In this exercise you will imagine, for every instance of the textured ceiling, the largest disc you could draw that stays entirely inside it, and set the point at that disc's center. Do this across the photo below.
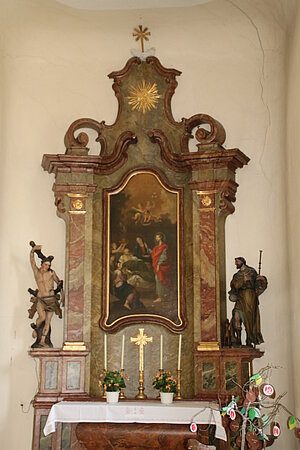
(128, 4)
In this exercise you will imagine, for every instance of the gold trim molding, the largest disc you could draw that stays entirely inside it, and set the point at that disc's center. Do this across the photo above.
(213, 191)
(208, 346)
(207, 209)
(77, 195)
(77, 212)
(74, 346)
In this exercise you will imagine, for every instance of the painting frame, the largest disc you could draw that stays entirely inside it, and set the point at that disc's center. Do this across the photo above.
(111, 320)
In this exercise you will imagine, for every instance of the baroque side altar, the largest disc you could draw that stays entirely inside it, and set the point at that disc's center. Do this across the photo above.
(145, 247)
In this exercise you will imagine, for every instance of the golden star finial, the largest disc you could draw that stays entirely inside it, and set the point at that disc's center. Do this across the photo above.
(141, 34)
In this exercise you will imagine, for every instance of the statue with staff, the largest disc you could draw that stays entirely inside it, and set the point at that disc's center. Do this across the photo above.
(46, 300)
(245, 288)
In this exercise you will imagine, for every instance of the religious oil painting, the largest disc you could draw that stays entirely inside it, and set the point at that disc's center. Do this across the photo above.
(143, 252)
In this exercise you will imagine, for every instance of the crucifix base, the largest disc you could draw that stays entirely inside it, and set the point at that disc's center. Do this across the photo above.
(141, 395)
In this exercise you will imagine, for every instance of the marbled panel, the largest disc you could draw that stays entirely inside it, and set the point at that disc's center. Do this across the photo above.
(75, 322)
(51, 375)
(230, 375)
(76, 278)
(207, 235)
(66, 436)
(208, 273)
(76, 303)
(73, 375)
(208, 376)
(45, 441)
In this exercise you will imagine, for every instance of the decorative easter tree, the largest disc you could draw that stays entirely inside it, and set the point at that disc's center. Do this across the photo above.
(250, 418)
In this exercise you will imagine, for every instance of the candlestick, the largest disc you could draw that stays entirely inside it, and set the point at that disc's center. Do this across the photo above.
(161, 372)
(105, 351)
(122, 395)
(161, 351)
(104, 391)
(178, 395)
(122, 352)
(179, 351)
(141, 395)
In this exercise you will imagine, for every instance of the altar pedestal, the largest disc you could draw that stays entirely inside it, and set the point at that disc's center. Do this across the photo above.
(108, 436)
(136, 424)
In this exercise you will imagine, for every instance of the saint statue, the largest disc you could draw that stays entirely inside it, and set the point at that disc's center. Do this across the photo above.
(246, 286)
(46, 300)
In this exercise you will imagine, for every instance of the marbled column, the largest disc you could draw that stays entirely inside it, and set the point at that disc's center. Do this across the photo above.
(76, 268)
(208, 288)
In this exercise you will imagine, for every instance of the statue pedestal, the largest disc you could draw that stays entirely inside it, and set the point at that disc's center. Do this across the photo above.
(61, 377)
(221, 372)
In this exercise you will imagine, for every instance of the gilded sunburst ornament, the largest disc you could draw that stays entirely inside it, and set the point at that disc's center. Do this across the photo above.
(143, 97)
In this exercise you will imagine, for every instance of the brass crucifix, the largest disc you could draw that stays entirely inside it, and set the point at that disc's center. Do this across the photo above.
(141, 340)
(141, 34)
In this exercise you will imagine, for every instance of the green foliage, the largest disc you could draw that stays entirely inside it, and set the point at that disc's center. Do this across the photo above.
(165, 382)
(113, 380)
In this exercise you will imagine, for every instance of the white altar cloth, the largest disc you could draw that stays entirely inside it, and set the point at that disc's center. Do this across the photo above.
(182, 412)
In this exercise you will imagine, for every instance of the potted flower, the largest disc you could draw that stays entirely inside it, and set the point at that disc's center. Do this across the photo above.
(167, 386)
(111, 381)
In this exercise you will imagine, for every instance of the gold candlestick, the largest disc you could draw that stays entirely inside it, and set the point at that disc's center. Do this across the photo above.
(141, 395)
(178, 395)
(122, 395)
(161, 372)
(104, 391)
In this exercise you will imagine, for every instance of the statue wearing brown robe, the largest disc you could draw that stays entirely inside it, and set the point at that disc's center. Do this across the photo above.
(245, 288)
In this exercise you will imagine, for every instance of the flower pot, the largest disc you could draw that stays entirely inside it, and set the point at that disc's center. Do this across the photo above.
(112, 397)
(166, 398)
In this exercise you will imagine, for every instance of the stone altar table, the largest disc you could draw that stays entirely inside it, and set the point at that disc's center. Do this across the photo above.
(105, 423)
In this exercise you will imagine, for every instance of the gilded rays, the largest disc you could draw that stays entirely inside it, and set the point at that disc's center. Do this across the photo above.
(143, 97)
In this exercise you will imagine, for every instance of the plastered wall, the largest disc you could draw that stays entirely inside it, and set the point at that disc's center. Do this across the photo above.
(53, 67)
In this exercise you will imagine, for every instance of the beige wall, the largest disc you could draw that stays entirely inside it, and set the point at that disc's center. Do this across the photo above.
(293, 182)
(54, 62)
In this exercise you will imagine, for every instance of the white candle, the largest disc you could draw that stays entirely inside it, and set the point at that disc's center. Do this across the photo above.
(161, 351)
(105, 351)
(122, 352)
(179, 351)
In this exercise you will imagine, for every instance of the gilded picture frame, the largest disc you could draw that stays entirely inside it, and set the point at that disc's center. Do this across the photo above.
(143, 252)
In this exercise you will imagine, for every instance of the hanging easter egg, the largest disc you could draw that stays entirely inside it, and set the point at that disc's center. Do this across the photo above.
(269, 390)
(291, 423)
(297, 433)
(276, 429)
(251, 396)
(270, 440)
(232, 414)
(193, 427)
(234, 426)
(251, 438)
(245, 403)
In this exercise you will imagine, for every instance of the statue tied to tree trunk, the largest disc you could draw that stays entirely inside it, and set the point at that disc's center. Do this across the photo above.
(246, 286)
(45, 299)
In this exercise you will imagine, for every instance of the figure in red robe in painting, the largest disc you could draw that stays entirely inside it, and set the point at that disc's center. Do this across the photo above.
(161, 263)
